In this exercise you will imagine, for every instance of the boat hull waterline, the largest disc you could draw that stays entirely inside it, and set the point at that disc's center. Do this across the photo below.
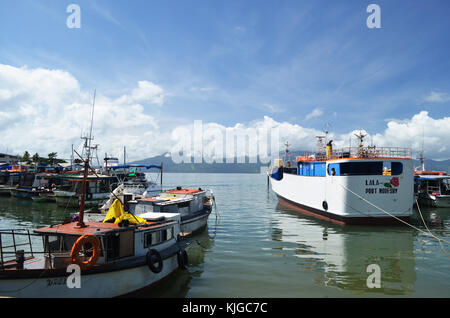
(96, 285)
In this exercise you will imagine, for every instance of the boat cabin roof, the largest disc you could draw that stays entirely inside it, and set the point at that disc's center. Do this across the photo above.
(428, 178)
(185, 191)
(93, 228)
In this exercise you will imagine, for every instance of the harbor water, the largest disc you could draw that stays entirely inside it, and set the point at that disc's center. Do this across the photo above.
(255, 248)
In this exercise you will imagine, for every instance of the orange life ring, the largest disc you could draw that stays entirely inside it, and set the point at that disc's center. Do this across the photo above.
(95, 242)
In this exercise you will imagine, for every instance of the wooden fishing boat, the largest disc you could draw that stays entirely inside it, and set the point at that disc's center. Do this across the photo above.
(97, 191)
(121, 255)
(432, 188)
(107, 259)
(193, 205)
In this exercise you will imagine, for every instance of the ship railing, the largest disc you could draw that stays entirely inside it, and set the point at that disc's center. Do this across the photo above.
(360, 152)
(11, 242)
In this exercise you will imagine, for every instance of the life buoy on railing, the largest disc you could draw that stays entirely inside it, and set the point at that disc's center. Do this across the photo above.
(154, 261)
(76, 248)
(182, 259)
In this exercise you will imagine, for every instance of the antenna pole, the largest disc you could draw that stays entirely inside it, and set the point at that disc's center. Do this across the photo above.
(81, 223)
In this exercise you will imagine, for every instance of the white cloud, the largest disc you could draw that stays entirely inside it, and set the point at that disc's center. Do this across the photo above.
(436, 97)
(405, 133)
(315, 113)
(46, 110)
(272, 108)
(421, 128)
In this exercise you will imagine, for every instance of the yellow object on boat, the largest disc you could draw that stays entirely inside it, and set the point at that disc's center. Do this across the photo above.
(329, 151)
(117, 212)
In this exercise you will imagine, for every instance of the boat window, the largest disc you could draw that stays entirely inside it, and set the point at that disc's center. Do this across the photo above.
(103, 187)
(170, 233)
(183, 204)
(147, 239)
(396, 168)
(112, 246)
(445, 186)
(361, 168)
(53, 243)
(119, 245)
(154, 238)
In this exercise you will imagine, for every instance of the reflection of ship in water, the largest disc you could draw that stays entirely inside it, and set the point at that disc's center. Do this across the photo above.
(178, 284)
(341, 255)
(435, 218)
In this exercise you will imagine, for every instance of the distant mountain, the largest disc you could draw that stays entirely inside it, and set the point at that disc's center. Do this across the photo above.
(442, 165)
(170, 166)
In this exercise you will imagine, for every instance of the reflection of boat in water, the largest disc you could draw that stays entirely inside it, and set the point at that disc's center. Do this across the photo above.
(342, 254)
(363, 185)
(45, 197)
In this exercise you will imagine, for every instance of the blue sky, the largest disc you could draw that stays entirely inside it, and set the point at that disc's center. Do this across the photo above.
(238, 61)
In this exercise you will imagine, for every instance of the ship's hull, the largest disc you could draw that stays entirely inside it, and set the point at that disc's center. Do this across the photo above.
(195, 222)
(24, 193)
(72, 200)
(5, 191)
(363, 199)
(94, 284)
(342, 220)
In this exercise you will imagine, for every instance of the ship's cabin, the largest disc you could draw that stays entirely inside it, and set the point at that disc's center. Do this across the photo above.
(51, 247)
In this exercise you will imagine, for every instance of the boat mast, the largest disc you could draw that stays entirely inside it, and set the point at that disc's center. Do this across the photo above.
(85, 174)
(287, 156)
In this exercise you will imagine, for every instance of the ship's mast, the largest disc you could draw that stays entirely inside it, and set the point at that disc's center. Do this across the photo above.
(320, 144)
(287, 156)
(360, 150)
(81, 223)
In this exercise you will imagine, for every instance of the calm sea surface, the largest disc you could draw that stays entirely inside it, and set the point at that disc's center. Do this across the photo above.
(255, 248)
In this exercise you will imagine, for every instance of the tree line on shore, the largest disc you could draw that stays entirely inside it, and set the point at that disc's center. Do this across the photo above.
(36, 159)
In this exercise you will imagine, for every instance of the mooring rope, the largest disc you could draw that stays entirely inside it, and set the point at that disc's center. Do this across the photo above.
(440, 240)
(426, 226)
(216, 212)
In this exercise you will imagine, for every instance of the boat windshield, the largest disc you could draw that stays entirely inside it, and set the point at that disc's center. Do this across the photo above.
(445, 186)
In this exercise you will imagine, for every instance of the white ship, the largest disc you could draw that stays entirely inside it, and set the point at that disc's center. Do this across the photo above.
(362, 185)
